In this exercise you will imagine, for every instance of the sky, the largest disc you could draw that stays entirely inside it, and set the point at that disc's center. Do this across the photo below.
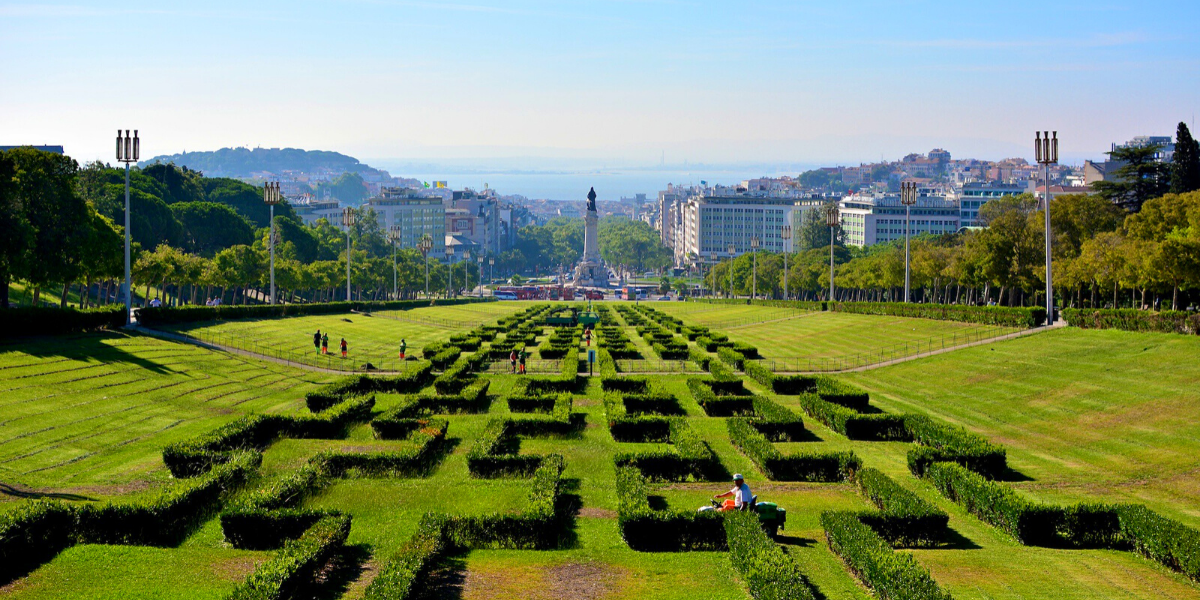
(633, 82)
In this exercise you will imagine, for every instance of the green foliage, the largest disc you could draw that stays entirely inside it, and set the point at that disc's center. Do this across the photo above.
(297, 563)
(941, 442)
(647, 529)
(32, 533)
(401, 577)
(892, 575)
(822, 467)
(190, 314)
(535, 528)
(996, 504)
(853, 424)
(688, 458)
(408, 461)
(728, 402)
(905, 519)
(731, 357)
(767, 570)
(338, 391)
(1140, 177)
(987, 315)
(1169, 321)
(1169, 542)
(1185, 164)
(27, 321)
(208, 227)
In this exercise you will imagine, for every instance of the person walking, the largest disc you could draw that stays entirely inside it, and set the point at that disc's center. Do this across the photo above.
(343, 347)
(522, 359)
(325, 343)
(403, 347)
(317, 341)
(512, 361)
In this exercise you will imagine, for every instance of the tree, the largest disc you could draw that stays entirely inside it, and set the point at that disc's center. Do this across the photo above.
(814, 231)
(17, 233)
(664, 285)
(1161, 216)
(348, 188)
(208, 227)
(1140, 177)
(1076, 218)
(1185, 165)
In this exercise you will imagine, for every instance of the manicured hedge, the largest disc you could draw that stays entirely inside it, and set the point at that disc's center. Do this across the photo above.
(764, 567)
(689, 457)
(187, 314)
(1169, 542)
(535, 528)
(699, 356)
(997, 504)
(297, 563)
(986, 315)
(409, 567)
(495, 452)
(822, 467)
(634, 385)
(454, 378)
(27, 321)
(32, 533)
(407, 461)
(647, 529)
(1167, 321)
(731, 357)
(263, 518)
(905, 519)
(410, 381)
(852, 424)
(776, 422)
(892, 575)
(940, 442)
(719, 405)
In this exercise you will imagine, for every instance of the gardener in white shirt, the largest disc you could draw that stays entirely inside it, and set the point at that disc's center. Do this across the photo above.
(740, 492)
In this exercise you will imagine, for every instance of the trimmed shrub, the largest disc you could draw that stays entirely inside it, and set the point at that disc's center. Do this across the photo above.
(633, 385)
(906, 519)
(32, 533)
(746, 350)
(454, 378)
(188, 314)
(1167, 321)
(1169, 542)
(997, 505)
(647, 529)
(401, 577)
(724, 405)
(852, 424)
(39, 320)
(444, 358)
(699, 356)
(986, 315)
(940, 442)
(688, 458)
(891, 574)
(535, 528)
(408, 461)
(777, 423)
(825, 467)
(297, 563)
(410, 381)
(731, 357)
(765, 568)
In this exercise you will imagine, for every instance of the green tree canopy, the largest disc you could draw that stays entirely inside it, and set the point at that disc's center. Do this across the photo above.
(208, 227)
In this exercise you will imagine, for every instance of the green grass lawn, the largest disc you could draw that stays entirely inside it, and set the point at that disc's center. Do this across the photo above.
(89, 414)
(1084, 415)
(371, 338)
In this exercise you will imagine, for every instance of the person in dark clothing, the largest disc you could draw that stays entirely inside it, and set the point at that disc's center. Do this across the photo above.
(403, 347)
(512, 361)
(317, 341)
(325, 343)
(522, 359)
(343, 347)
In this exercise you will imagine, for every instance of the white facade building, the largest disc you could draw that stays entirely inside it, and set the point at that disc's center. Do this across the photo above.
(711, 224)
(870, 220)
(413, 216)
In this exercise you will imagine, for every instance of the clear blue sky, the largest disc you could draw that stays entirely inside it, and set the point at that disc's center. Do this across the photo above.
(626, 80)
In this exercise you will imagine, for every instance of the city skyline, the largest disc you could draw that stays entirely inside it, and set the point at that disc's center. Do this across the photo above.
(623, 82)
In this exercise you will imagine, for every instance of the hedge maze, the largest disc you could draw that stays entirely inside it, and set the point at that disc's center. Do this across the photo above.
(664, 433)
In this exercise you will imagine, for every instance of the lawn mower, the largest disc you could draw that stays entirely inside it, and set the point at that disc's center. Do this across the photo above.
(770, 515)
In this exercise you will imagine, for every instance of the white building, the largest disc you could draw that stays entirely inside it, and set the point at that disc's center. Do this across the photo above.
(711, 224)
(310, 210)
(413, 216)
(869, 220)
(974, 195)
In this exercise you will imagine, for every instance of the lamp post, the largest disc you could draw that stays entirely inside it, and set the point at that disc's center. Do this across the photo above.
(787, 237)
(272, 196)
(1046, 149)
(425, 245)
(754, 267)
(128, 151)
(450, 263)
(348, 222)
(479, 259)
(732, 249)
(491, 268)
(466, 260)
(831, 218)
(393, 237)
(908, 197)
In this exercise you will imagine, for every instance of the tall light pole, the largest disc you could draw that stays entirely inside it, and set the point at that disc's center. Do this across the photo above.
(831, 218)
(908, 197)
(1046, 149)
(479, 259)
(425, 245)
(128, 151)
(731, 249)
(787, 237)
(393, 237)
(450, 263)
(272, 196)
(348, 222)
(754, 267)
(491, 268)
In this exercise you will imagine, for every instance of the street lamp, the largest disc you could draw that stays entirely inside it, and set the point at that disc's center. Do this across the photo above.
(450, 263)
(425, 245)
(908, 197)
(466, 260)
(754, 267)
(831, 218)
(393, 237)
(480, 260)
(491, 268)
(272, 196)
(348, 222)
(128, 151)
(732, 249)
(787, 237)
(1047, 154)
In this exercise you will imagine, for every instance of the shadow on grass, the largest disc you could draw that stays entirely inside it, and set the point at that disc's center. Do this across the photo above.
(1011, 475)
(346, 567)
(90, 347)
(799, 542)
(446, 581)
(953, 540)
(566, 510)
(9, 490)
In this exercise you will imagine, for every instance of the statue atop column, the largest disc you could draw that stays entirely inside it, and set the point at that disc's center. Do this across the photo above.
(591, 271)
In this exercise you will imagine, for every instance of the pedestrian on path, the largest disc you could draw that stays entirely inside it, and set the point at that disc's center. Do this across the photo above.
(317, 341)
(512, 361)
(343, 347)
(522, 359)
(325, 343)
(403, 347)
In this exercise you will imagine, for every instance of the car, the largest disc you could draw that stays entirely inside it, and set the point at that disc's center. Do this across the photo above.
(667, 298)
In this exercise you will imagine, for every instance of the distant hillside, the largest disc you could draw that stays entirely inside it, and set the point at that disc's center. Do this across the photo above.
(241, 162)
